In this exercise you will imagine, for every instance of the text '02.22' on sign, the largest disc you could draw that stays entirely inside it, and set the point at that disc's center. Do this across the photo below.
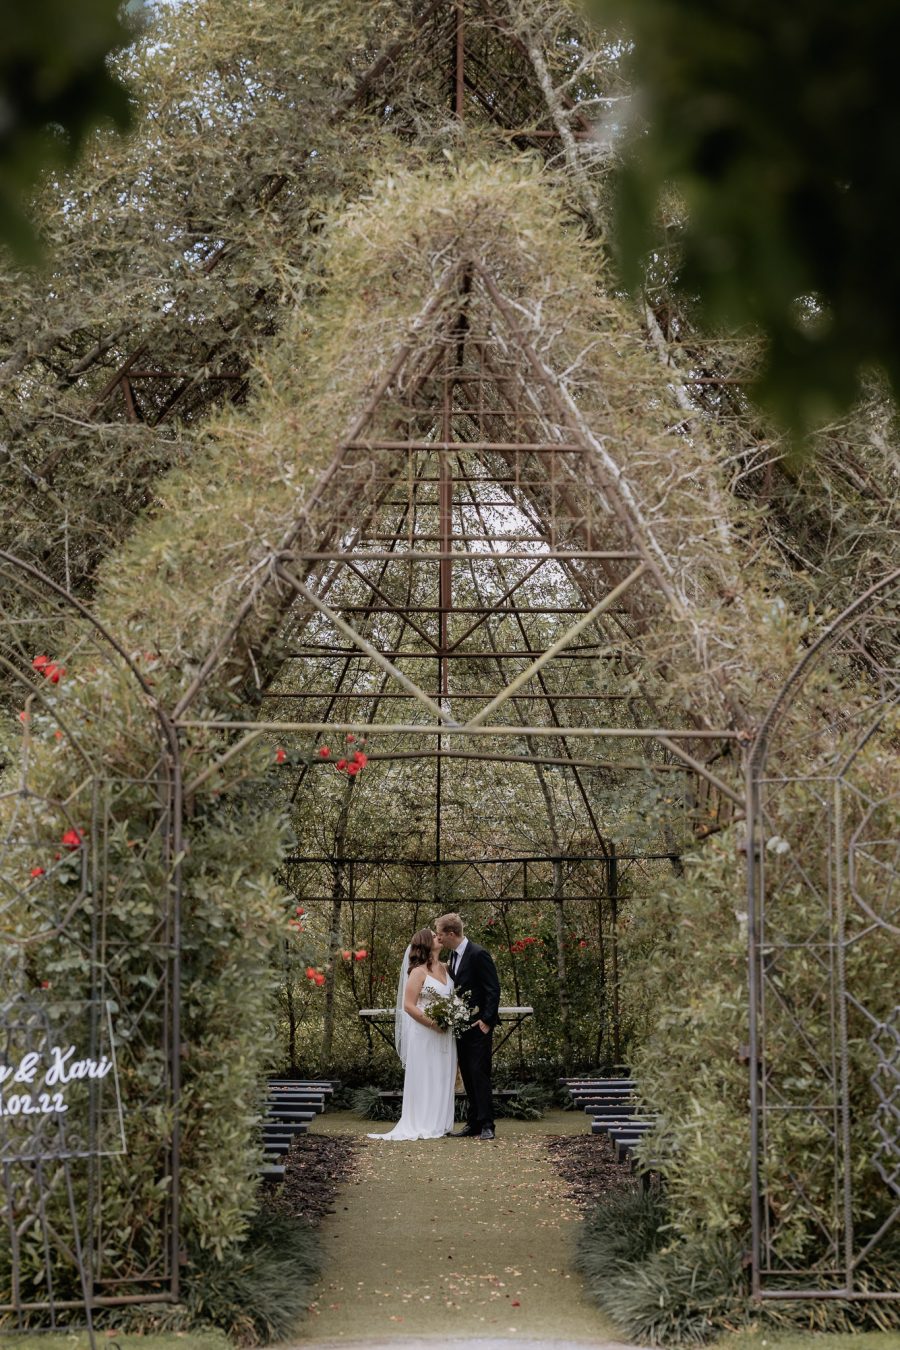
(56, 1070)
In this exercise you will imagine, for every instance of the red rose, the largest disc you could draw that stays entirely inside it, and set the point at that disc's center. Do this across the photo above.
(353, 769)
(24, 716)
(310, 972)
(57, 735)
(320, 979)
(341, 764)
(40, 661)
(351, 738)
(582, 943)
(280, 755)
(53, 672)
(37, 871)
(299, 910)
(346, 955)
(360, 759)
(323, 752)
(72, 839)
(45, 984)
(361, 954)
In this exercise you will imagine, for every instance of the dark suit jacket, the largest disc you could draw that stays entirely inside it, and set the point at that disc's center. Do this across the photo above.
(476, 975)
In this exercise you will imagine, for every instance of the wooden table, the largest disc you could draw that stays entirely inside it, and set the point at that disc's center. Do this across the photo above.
(510, 1021)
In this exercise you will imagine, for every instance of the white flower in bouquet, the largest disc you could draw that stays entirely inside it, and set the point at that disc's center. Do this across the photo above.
(452, 1012)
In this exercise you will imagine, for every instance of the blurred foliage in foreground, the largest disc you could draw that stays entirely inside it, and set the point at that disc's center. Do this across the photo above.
(776, 125)
(56, 86)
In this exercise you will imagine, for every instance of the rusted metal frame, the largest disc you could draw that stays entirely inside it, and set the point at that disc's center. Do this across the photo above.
(448, 728)
(365, 445)
(500, 860)
(562, 761)
(387, 58)
(758, 777)
(459, 88)
(273, 185)
(500, 116)
(610, 487)
(536, 514)
(389, 608)
(343, 674)
(317, 494)
(476, 556)
(132, 410)
(551, 708)
(110, 387)
(577, 628)
(190, 382)
(457, 696)
(364, 645)
(586, 652)
(705, 773)
(343, 558)
(171, 810)
(498, 608)
(473, 538)
(391, 605)
(182, 375)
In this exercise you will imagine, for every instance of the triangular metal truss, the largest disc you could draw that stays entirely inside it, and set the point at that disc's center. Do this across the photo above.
(468, 561)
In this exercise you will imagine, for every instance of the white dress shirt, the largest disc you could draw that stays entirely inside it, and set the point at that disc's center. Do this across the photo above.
(459, 952)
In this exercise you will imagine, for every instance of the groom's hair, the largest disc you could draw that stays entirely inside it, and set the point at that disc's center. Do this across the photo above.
(450, 923)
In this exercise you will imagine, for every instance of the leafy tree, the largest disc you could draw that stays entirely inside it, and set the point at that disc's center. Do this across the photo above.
(777, 126)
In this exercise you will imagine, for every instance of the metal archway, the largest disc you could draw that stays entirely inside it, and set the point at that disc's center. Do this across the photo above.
(824, 925)
(89, 960)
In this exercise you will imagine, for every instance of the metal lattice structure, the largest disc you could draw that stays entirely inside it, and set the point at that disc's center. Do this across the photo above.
(826, 1066)
(83, 962)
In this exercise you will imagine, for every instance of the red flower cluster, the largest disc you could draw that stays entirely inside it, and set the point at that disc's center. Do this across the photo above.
(298, 922)
(351, 767)
(315, 976)
(523, 944)
(49, 669)
(355, 956)
(72, 840)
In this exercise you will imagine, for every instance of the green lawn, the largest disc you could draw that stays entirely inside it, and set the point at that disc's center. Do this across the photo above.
(798, 1340)
(170, 1340)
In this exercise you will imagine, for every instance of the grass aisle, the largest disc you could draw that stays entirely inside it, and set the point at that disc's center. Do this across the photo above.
(452, 1237)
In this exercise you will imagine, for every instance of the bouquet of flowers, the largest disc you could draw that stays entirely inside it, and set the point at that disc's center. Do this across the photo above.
(451, 1012)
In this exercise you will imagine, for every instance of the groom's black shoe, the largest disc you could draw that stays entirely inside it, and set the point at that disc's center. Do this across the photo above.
(468, 1132)
(487, 1133)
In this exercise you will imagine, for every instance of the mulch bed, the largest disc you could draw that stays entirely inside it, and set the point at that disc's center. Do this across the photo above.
(587, 1163)
(315, 1167)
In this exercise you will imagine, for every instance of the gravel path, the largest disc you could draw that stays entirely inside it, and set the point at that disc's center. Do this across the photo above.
(453, 1238)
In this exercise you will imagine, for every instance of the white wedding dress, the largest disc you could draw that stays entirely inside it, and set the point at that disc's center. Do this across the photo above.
(428, 1088)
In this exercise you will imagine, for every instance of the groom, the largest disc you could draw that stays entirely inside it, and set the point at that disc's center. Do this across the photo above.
(473, 972)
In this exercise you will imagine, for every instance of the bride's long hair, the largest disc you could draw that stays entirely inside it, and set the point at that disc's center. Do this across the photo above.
(421, 949)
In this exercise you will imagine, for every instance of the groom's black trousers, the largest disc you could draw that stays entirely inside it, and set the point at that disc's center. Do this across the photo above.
(474, 1050)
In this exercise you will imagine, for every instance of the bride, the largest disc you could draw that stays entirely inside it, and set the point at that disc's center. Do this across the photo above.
(427, 1053)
